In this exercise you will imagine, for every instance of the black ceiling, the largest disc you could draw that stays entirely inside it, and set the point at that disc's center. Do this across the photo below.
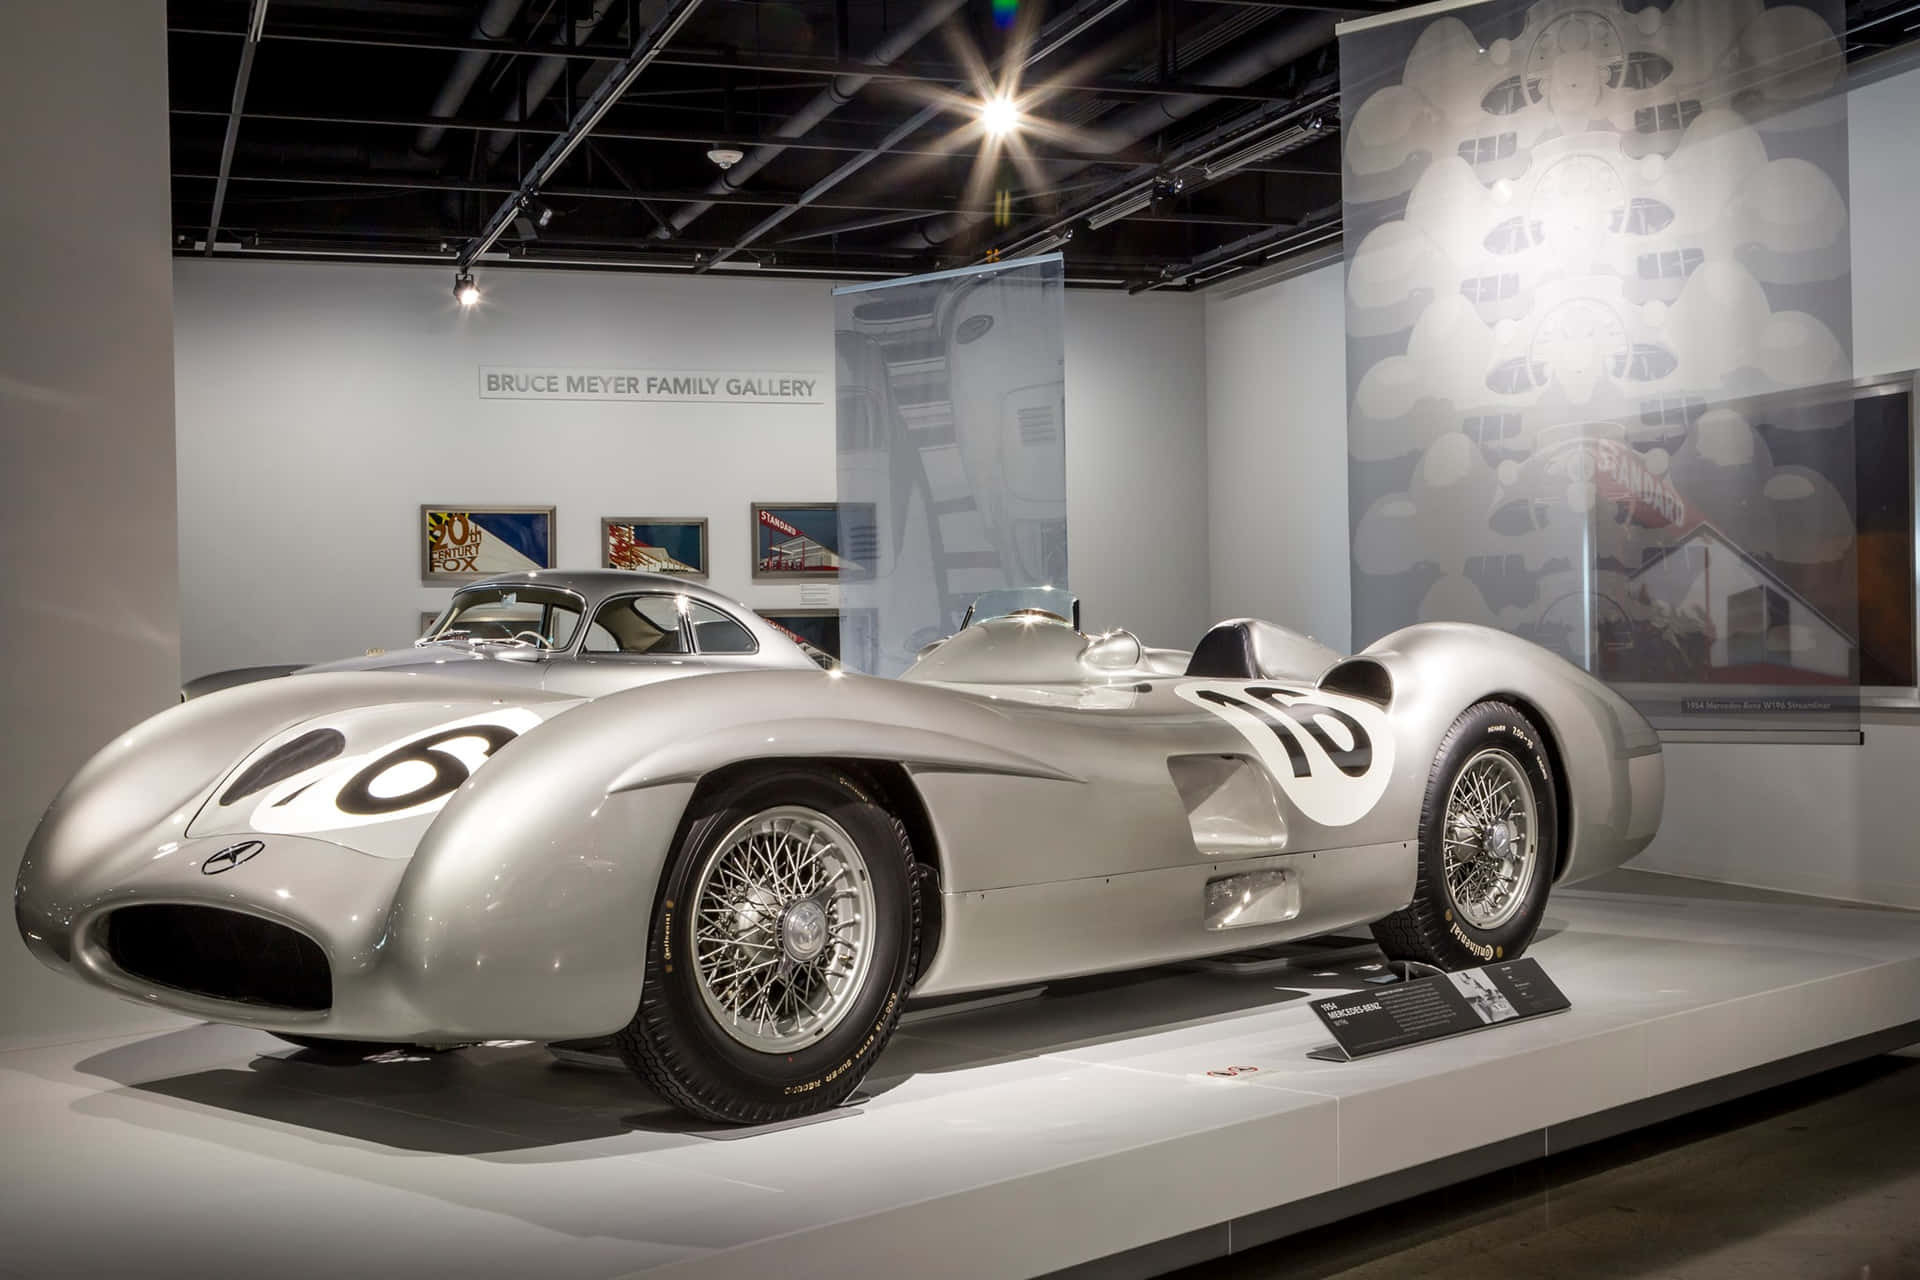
(393, 129)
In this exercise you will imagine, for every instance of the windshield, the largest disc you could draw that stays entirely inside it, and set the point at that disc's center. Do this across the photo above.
(1053, 602)
(531, 615)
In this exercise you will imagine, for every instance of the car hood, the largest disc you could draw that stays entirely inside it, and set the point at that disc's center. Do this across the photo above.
(435, 659)
(370, 777)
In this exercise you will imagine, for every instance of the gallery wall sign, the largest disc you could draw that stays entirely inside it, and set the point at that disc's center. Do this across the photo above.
(1596, 258)
(655, 386)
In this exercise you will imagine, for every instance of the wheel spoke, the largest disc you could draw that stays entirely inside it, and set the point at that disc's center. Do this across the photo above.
(781, 933)
(1488, 843)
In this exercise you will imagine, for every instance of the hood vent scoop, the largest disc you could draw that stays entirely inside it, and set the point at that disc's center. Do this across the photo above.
(295, 756)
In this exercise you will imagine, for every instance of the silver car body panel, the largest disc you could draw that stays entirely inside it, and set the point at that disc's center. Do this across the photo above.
(1080, 802)
(571, 668)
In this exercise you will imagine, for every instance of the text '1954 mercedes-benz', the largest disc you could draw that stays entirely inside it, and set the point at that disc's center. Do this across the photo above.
(743, 877)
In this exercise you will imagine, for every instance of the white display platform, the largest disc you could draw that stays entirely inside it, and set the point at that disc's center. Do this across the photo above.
(1059, 1132)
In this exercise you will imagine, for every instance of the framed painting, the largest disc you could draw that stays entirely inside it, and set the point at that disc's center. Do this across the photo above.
(655, 544)
(798, 541)
(815, 630)
(461, 543)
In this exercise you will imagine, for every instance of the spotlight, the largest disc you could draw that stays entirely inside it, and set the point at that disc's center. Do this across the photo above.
(465, 290)
(999, 116)
(726, 157)
(542, 214)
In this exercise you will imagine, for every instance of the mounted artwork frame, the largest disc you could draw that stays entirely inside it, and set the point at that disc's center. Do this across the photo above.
(825, 631)
(795, 541)
(815, 630)
(655, 544)
(459, 543)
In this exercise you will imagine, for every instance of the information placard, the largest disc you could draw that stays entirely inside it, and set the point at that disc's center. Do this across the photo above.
(1447, 1004)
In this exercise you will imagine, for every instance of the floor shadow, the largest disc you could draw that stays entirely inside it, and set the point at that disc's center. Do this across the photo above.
(1117, 1007)
(515, 1097)
(483, 1100)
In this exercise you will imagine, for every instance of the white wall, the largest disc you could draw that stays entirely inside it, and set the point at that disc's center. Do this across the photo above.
(1835, 821)
(1277, 455)
(1884, 175)
(88, 595)
(321, 404)
(1137, 490)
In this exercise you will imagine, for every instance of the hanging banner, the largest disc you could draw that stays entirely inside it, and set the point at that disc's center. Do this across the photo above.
(951, 406)
(1598, 311)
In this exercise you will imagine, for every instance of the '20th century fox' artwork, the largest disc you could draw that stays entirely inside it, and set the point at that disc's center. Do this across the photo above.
(1598, 310)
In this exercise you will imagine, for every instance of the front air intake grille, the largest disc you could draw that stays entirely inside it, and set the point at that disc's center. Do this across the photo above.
(221, 954)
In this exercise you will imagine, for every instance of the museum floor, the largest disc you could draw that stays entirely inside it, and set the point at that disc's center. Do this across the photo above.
(1816, 1180)
(1081, 1130)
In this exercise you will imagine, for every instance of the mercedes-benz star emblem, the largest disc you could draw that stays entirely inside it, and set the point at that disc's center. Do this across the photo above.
(230, 857)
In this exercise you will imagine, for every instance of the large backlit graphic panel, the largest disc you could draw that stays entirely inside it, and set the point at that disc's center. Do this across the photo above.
(1598, 345)
(952, 448)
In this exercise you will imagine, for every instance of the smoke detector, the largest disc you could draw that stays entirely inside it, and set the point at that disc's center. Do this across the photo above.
(726, 157)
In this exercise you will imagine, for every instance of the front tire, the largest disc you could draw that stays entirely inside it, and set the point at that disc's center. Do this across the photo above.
(1489, 842)
(781, 949)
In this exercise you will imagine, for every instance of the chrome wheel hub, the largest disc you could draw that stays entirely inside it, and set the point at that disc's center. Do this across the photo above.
(803, 930)
(783, 928)
(1491, 839)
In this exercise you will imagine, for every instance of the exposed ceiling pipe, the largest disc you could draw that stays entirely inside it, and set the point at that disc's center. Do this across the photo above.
(1055, 34)
(668, 16)
(495, 20)
(1290, 41)
(546, 72)
(839, 91)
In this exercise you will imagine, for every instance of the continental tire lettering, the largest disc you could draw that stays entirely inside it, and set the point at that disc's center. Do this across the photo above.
(1479, 949)
(1330, 754)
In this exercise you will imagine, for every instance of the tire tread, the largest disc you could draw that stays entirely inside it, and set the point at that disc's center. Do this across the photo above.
(1418, 931)
(649, 1049)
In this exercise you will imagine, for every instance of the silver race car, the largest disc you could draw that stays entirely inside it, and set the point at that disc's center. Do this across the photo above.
(587, 631)
(743, 877)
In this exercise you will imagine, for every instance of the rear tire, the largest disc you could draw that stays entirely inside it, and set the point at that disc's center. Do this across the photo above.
(781, 949)
(1489, 843)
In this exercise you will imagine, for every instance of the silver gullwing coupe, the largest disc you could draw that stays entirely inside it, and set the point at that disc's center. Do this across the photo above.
(742, 878)
(526, 629)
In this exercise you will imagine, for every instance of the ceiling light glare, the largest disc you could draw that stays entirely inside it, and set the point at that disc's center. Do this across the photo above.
(999, 116)
(465, 291)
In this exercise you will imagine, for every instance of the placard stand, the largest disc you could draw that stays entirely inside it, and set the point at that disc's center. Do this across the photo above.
(1438, 1007)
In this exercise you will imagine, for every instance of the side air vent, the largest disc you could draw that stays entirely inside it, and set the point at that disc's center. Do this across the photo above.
(1360, 678)
(1230, 805)
(220, 954)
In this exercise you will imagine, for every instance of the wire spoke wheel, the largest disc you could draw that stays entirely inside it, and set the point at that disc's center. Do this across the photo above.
(1491, 839)
(783, 928)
